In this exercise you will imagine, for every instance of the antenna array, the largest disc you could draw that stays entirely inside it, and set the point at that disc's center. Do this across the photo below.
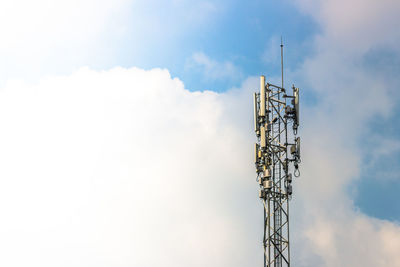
(275, 160)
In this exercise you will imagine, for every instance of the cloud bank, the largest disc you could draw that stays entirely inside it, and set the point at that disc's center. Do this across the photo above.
(125, 167)
(213, 70)
(349, 96)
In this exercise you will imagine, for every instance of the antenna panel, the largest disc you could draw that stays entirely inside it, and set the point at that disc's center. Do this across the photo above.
(298, 146)
(255, 103)
(256, 149)
(263, 141)
(296, 104)
(262, 96)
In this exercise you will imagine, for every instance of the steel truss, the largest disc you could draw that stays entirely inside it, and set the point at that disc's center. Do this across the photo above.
(272, 116)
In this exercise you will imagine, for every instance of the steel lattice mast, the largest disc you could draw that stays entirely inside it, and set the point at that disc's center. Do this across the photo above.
(274, 157)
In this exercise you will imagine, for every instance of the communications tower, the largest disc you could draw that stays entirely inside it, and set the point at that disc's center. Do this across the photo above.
(277, 158)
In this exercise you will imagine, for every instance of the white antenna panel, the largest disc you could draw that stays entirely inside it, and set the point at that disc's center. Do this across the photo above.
(262, 96)
(263, 141)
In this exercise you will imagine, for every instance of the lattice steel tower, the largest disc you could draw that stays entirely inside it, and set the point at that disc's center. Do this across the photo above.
(275, 160)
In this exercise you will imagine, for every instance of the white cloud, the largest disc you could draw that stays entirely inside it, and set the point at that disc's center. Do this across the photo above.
(349, 96)
(52, 37)
(125, 167)
(356, 25)
(42, 37)
(213, 70)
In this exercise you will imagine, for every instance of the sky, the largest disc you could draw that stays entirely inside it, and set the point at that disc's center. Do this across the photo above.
(126, 131)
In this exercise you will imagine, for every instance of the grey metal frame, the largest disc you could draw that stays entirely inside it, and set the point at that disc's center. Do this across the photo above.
(273, 163)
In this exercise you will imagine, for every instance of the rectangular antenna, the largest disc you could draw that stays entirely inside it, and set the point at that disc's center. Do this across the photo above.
(255, 102)
(263, 141)
(256, 149)
(296, 104)
(262, 96)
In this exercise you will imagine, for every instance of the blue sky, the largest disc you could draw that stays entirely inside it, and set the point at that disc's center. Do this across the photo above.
(240, 33)
(376, 191)
(225, 31)
(81, 82)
